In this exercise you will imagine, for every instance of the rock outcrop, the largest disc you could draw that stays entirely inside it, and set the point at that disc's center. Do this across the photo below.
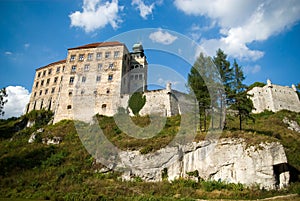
(229, 160)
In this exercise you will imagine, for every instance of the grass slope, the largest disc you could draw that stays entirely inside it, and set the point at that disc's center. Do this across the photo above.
(67, 171)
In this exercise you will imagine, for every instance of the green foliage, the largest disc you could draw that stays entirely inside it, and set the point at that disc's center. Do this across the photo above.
(136, 102)
(3, 95)
(256, 84)
(55, 159)
(39, 117)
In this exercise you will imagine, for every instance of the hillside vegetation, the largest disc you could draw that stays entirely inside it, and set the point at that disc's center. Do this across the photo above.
(68, 172)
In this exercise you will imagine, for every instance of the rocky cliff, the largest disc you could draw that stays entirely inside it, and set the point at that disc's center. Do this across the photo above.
(228, 159)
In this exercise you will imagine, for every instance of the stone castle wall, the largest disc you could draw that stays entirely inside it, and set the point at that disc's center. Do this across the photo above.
(274, 98)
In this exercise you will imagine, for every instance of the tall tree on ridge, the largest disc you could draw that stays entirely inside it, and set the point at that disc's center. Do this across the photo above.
(3, 94)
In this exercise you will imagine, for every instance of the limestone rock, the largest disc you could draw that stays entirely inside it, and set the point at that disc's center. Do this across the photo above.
(292, 125)
(229, 160)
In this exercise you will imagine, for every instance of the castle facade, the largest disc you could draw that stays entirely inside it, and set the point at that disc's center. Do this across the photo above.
(274, 98)
(98, 78)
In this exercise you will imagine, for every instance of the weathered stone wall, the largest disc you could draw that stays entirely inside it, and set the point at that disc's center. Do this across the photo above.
(229, 160)
(274, 98)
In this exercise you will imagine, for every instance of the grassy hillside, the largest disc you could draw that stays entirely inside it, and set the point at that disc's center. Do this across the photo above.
(67, 172)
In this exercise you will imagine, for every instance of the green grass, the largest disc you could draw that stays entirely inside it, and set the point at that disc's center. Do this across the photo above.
(68, 172)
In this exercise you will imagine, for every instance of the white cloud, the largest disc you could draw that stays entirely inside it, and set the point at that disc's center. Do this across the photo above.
(8, 53)
(243, 22)
(96, 15)
(26, 45)
(144, 9)
(162, 37)
(17, 99)
(252, 69)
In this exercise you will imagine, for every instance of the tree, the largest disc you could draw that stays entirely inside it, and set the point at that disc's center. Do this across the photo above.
(3, 95)
(241, 101)
(136, 102)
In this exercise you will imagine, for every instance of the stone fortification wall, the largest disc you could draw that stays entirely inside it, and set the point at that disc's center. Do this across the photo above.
(274, 98)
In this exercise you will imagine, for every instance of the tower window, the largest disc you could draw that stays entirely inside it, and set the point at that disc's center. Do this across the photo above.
(46, 91)
(90, 57)
(73, 69)
(69, 107)
(83, 79)
(98, 78)
(71, 80)
(110, 77)
(48, 81)
(140, 76)
(81, 57)
(99, 66)
(72, 58)
(36, 84)
(104, 106)
(42, 82)
(55, 79)
(41, 92)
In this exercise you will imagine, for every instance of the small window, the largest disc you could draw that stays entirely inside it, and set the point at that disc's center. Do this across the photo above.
(57, 69)
(42, 82)
(107, 91)
(90, 57)
(46, 91)
(41, 92)
(107, 55)
(34, 95)
(141, 66)
(98, 78)
(86, 67)
(111, 66)
(71, 80)
(83, 79)
(99, 55)
(63, 70)
(53, 90)
(48, 81)
(72, 58)
(49, 71)
(99, 67)
(70, 93)
(55, 80)
(39, 74)
(131, 77)
(140, 76)
(44, 73)
(116, 54)
(110, 77)
(73, 70)
(104, 106)
(136, 77)
(36, 84)
(81, 57)
(69, 107)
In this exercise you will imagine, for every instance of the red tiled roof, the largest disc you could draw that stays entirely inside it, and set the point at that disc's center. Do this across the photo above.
(51, 64)
(100, 44)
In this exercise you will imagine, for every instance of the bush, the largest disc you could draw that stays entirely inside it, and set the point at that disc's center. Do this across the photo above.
(136, 102)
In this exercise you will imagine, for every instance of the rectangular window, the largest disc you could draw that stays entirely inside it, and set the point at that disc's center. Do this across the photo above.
(63, 69)
(71, 80)
(131, 77)
(83, 79)
(41, 92)
(72, 58)
(44, 73)
(107, 55)
(53, 90)
(39, 74)
(90, 57)
(116, 54)
(46, 91)
(73, 70)
(57, 69)
(111, 66)
(136, 77)
(110, 77)
(36, 84)
(48, 81)
(98, 78)
(34, 95)
(81, 57)
(99, 55)
(99, 67)
(86, 67)
(42, 82)
(140, 76)
(49, 71)
(55, 80)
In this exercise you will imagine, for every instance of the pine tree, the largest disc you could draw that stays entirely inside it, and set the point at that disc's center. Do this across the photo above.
(3, 94)
(241, 101)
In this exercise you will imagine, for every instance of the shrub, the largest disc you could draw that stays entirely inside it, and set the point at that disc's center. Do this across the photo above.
(136, 102)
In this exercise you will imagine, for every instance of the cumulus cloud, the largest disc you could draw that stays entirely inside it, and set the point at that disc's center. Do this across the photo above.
(17, 99)
(144, 9)
(243, 22)
(252, 69)
(96, 15)
(162, 37)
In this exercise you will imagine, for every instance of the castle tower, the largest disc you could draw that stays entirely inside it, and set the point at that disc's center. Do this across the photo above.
(138, 69)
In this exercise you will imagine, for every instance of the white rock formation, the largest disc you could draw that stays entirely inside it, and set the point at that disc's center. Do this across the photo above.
(230, 160)
(292, 125)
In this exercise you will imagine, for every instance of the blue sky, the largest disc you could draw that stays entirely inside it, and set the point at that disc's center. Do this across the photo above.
(262, 35)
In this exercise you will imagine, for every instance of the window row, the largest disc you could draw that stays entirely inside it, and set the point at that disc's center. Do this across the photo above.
(98, 56)
(137, 77)
(134, 66)
(87, 67)
(41, 92)
(44, 73)
(84, 79)
(47, 82)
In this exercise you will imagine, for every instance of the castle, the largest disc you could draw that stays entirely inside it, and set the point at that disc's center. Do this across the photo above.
(98, 78)
(274, 98)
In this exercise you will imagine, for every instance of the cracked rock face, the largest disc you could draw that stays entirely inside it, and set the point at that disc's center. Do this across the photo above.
(229, 160)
